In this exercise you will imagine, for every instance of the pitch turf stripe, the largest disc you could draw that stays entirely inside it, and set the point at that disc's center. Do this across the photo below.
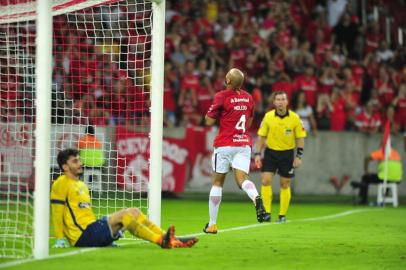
(338, 215)
(239, 228)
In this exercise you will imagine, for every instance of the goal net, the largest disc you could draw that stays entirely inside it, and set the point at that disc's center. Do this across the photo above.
(100, 105)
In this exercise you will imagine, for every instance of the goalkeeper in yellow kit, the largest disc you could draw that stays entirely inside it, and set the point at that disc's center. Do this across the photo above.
(74, 219)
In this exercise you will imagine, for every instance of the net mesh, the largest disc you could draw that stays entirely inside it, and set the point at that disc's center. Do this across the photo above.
(100, 87)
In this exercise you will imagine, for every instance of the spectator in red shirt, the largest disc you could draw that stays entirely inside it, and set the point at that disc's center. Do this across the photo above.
(372, 38)
(338, 117)
(304, 57)
(189, 79)
(355, 83)
(323, 112)
(357, 71)
(321, 47)
(393, 118)
(99, 117)
(308, 84)
(351, 98)
(384, 86)
(400, 104)
(189, 106)
(284, 84)
(268, 25)
(237, 53)
(283, 35)
(367, 121)
(262, 55)
(205, 94)
(328, 79)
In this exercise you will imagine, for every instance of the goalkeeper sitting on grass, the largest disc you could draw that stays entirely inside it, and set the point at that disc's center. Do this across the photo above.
(74, 219)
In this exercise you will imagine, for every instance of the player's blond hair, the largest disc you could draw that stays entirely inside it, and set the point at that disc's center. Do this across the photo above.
(234, 78)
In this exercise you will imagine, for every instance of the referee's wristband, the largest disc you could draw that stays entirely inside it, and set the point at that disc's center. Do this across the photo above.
(299, 152)
(257, 153)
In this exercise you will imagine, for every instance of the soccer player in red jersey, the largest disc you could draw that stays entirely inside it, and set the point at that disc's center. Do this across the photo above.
(233, 108)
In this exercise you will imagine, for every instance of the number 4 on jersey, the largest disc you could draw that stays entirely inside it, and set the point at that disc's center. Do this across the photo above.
(241, 123)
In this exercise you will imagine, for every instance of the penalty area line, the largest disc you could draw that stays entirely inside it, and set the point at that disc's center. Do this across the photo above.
(239, 228)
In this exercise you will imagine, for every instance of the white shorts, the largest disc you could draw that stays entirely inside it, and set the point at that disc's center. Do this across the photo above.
(227, 157)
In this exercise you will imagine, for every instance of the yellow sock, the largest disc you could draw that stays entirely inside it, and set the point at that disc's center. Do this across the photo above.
(152, 226)
(137, 228)
(266, 194)
(284, 201)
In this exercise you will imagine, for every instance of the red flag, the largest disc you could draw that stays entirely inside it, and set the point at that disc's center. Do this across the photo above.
(386, 141)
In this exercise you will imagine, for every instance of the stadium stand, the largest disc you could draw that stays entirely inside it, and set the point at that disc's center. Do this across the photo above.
(342, 61)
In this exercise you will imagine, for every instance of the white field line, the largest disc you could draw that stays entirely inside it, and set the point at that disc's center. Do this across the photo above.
(239, 228)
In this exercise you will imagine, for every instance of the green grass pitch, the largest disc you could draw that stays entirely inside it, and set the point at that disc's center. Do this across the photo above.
(317, 236)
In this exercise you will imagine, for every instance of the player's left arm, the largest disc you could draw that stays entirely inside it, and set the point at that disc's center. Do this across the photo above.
(300, 134)
(299, 152)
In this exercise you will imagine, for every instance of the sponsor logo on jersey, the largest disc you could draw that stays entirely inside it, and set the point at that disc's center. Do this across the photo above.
(234, 100)
(240, 138)
(288, 132)
(83, 205)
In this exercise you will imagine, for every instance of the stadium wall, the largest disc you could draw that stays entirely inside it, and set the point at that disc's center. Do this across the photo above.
(327, 155)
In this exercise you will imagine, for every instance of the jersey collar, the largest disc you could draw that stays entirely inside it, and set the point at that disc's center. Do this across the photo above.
(282, 116)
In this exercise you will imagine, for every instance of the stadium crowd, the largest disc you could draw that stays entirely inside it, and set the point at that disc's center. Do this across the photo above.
(337, 68)
(338, 73)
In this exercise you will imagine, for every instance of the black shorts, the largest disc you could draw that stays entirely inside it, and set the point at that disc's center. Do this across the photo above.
(280, 162)
(97, 234)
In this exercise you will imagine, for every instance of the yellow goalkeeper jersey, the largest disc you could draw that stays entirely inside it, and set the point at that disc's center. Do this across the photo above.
(71, 208)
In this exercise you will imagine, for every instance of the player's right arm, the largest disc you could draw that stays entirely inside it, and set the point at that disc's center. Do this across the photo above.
(58, 197)
(262, 135)
(215, 110)
(210, 121)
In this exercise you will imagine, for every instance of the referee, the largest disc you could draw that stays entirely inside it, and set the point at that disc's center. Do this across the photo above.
(282, 131)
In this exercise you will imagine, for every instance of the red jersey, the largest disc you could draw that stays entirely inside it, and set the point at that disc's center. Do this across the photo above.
(401, 111)
(234, 110)
(284, 86)
(190, 81)
(309, 86)
(338, 116)
(367, 121)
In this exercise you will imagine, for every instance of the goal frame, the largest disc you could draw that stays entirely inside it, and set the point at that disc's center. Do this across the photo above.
(43, 121)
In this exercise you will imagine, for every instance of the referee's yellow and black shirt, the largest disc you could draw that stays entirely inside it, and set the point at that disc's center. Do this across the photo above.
(71, 208)
(281, 131)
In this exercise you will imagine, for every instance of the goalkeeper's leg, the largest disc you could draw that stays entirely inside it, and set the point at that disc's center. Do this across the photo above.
(133, 220)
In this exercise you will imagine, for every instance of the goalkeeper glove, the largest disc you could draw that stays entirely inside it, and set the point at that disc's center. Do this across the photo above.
(60, 243)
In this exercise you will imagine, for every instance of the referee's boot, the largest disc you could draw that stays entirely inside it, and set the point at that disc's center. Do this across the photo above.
(259, 207)
(282, 219)
(267, 217)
